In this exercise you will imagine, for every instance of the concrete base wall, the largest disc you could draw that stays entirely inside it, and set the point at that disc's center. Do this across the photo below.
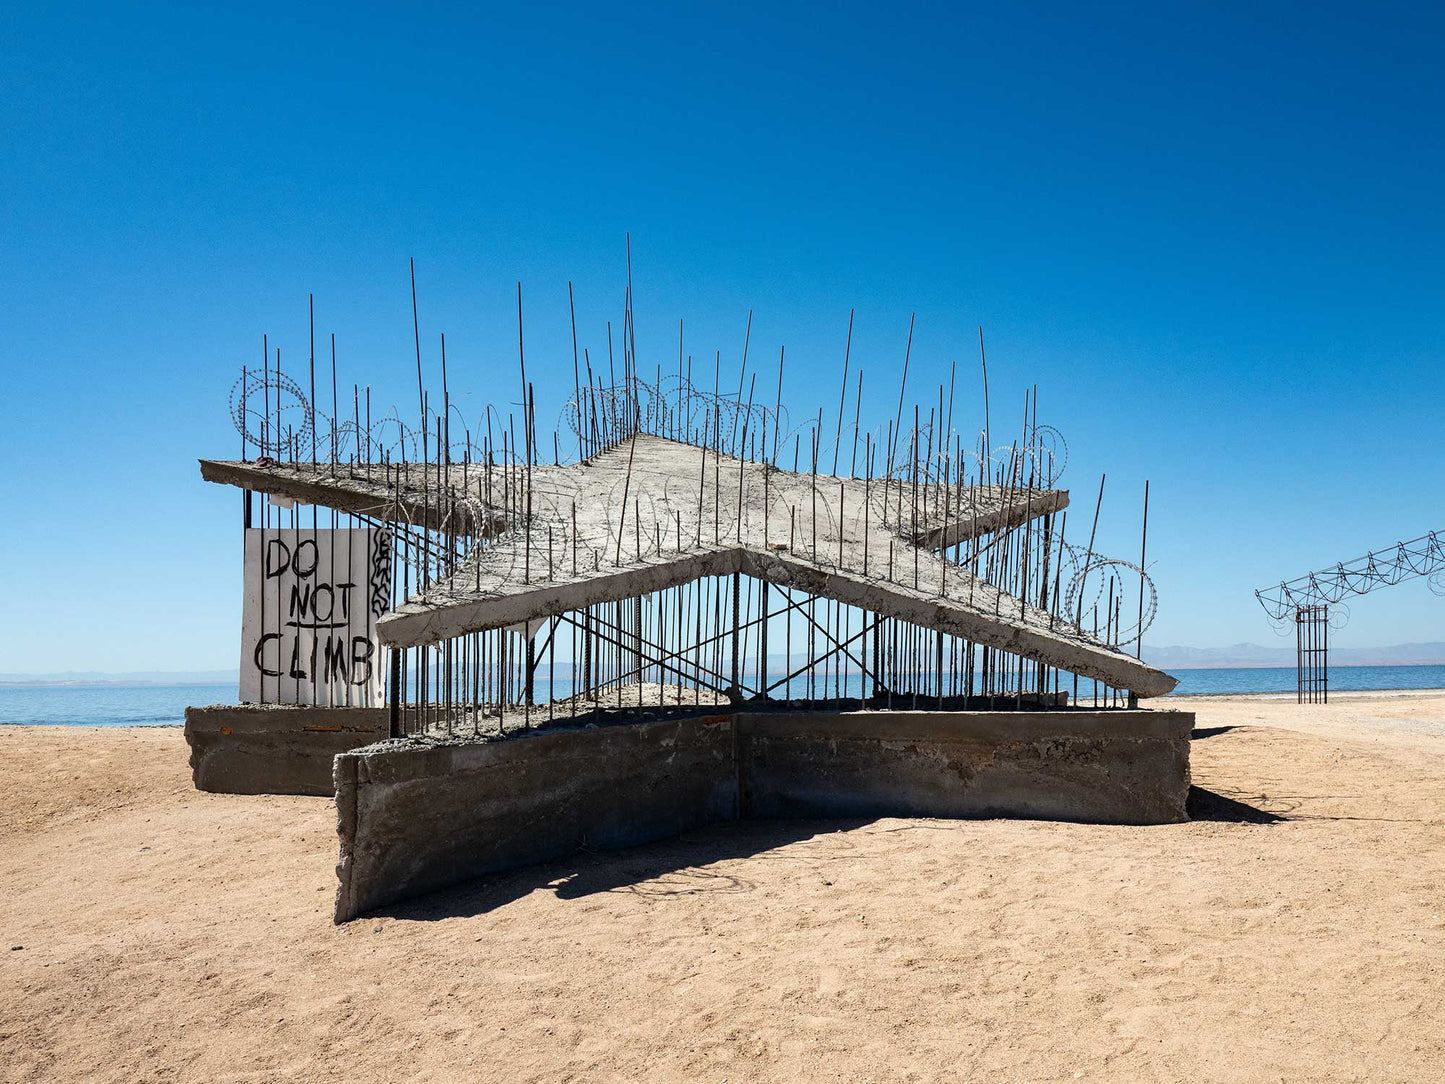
(415, 816)
(273, 749)
(1105, 767)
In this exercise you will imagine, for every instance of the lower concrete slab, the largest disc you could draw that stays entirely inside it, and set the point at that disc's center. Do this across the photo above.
(416, 815)
(274, 749)
(1108, 767)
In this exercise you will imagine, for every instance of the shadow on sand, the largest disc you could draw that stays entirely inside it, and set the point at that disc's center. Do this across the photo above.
(674, 867)
(1209, 731)
(685, 866)
(1206, 805)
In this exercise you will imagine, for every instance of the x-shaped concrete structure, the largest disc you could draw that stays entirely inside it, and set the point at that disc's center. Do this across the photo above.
(651, 513)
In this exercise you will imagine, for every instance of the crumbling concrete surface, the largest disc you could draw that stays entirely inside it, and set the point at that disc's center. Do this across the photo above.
(271, 749)
(416, 814)
(1106, 767)
(650, 514)
(839, 538)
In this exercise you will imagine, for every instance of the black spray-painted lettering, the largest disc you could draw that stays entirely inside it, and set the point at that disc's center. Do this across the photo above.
(305, 552)
(362, 650)
(316, 644)
(314, 606)
(277, 559)
(261, 650)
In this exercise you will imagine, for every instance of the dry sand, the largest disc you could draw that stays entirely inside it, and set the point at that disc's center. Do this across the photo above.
(1295, 933)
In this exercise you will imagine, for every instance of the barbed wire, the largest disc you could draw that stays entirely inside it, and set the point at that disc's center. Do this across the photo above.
(1096, 579)
(274, 417)
(1419, 557)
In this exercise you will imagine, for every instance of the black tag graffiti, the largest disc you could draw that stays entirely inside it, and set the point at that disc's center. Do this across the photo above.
(381, 574)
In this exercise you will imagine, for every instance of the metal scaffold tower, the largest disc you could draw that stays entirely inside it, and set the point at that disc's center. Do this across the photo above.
(1314, 603)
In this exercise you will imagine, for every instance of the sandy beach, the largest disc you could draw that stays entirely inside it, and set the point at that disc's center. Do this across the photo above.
(1295, 930)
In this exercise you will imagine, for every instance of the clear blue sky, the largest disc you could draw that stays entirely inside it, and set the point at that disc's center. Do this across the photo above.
(1211, 234)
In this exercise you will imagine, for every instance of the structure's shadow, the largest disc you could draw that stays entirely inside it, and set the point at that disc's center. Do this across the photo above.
(1209, 731)
(674, 867)
(1206, 805)
(685, 865)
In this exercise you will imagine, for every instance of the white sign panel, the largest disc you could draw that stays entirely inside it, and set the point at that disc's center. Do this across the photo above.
(308, 626)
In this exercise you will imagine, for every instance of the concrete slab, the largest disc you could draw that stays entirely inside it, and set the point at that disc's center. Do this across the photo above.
(271, 749)
(416, 815)
(651, 513)
(842, 539)
(394, 493)
(1107, 767)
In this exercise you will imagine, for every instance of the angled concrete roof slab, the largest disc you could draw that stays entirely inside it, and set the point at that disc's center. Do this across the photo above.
(653, 513)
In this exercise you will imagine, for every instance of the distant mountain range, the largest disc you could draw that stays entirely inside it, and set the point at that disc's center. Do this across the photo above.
(136, 677)
(1240, 656)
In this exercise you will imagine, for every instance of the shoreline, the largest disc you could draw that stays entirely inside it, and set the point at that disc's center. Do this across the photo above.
(1340, 694)
(1178, 701)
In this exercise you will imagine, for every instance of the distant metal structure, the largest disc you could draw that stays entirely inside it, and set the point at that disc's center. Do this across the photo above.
(1314, 602)
(1312, 654)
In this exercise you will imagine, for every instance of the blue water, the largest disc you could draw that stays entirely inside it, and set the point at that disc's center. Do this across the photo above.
(108, 705)
(165, 705)
(1282, 679)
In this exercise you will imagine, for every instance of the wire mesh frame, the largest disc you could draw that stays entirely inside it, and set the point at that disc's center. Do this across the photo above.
(707, 646)
(431, 545)
(1312, 654)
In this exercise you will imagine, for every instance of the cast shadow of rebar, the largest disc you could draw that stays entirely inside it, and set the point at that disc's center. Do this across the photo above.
(681, 866)
(1206, 805)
